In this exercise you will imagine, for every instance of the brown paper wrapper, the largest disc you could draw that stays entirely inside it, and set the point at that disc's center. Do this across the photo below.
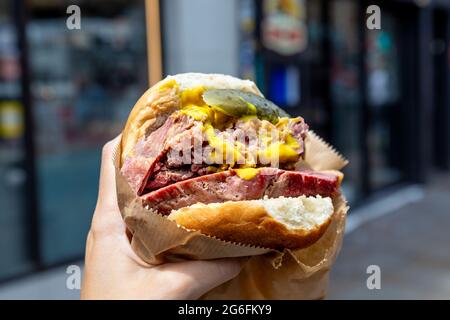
(269, 274)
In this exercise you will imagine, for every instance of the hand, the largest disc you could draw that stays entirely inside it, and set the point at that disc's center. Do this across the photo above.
(114, 271)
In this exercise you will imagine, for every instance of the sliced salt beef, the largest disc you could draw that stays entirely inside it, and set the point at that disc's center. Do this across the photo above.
(228, 186)
(152, 152)
(173, 171)
(149, 150)
(163, 177)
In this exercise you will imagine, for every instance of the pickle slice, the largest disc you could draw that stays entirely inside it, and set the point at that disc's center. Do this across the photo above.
(238, 103)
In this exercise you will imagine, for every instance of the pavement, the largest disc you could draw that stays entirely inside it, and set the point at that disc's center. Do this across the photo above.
(409, 245)
(406, 240)
(55, 284)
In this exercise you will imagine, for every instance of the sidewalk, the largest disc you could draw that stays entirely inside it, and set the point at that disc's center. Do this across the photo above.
(411, 246)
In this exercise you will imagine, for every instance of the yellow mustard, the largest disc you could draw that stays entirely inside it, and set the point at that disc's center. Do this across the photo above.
(202, 114)
(247, 173)
(194, 106)
(249, 117)
(169, 85)
(278, 150)
(192, 96)
(224, 150)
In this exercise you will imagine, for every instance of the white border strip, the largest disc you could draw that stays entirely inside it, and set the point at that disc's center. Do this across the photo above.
(384, 206)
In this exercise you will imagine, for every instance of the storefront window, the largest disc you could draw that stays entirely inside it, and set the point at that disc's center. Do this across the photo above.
(83, 84)
(384, 105)
(15, 256)
(346, 91)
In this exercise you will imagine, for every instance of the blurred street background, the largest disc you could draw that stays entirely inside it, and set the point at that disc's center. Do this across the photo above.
(379, 95)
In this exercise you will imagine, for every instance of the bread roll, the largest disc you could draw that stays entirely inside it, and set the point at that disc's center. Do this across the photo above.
(272, 223)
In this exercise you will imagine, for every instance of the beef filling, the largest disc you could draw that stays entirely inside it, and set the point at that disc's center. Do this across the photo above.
(228, 186)
(137, 169)
(152, 166)
(165, 183)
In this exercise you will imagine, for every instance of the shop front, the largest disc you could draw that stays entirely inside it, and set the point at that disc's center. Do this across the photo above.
(378, 96)
(366, 91)
(63, 94)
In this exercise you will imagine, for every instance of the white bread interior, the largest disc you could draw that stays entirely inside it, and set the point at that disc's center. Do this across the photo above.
(212, 81)
(303, 212)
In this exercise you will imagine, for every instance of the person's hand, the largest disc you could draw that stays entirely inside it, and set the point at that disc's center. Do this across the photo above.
(112, 269)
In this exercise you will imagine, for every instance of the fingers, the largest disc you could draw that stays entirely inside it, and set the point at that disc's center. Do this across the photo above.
(200, 277)
(107, 185)
(107, 218)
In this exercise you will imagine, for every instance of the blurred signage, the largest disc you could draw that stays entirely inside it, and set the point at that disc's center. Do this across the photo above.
(382, 67)
(247, 44)
(285, 87)
(284, 27)
(11, 119)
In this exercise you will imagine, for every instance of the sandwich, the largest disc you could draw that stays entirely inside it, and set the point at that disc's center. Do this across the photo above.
(210, 153)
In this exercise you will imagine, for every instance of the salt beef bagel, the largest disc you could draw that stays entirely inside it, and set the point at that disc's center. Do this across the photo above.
(228, 192)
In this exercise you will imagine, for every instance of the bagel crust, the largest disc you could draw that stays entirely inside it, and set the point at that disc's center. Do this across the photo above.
(249, 222)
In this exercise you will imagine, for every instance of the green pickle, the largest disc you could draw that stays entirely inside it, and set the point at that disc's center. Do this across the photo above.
(237, 103)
